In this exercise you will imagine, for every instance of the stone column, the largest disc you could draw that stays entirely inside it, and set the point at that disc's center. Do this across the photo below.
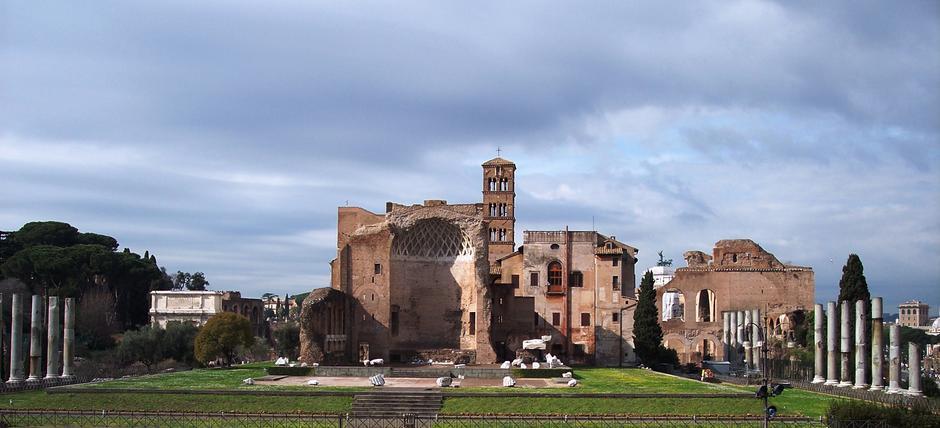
(726, 334)
(818, 343)
(68, 346)
(740, 333)
(748, 357)
(755, 338)
(832, 354)
(877, 345)
(16, 341)
(861, 344)
(846, 374)
(913, 370)
(35, 340)
(733, 328)
(54, 338)
(894, 359)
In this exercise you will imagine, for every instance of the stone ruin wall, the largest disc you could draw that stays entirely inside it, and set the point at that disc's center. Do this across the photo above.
(754, 279)
(433, 295)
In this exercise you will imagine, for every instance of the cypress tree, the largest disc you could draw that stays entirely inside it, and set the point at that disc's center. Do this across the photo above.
(853, 286)
(647, 333)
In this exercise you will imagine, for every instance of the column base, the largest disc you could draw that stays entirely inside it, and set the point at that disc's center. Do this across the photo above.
(860, 386)
(33, 379)
(51, 376)
(893, 390)
(914, 393)
(844, 384)
(831, 382)
(818, 379)
(876, 388)
(14, 382)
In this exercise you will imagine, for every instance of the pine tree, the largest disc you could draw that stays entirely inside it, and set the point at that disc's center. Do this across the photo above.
(647, 333)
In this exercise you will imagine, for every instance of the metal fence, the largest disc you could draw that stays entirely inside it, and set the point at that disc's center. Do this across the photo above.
(159, 419)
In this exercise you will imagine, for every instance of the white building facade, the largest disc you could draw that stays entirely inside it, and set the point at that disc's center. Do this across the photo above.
(195, 307)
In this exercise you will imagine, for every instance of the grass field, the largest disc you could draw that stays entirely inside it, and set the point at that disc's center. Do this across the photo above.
(592, 380)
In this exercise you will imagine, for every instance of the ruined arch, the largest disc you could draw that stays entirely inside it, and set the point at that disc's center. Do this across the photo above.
(705, 306)
(432, 239)
(673, 305)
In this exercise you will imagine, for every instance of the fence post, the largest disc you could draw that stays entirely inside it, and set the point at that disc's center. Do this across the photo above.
(340, 417)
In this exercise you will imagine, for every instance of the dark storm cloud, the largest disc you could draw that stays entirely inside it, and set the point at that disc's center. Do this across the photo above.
(226, 130)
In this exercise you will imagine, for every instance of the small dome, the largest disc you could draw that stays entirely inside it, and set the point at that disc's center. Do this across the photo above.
(936, 324)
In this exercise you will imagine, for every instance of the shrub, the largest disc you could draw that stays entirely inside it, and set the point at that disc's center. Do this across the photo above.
(538, 373)
(844, 410)
(144, 345)
(290, 371)
(287, 341)
(178, 342)
(221, 336)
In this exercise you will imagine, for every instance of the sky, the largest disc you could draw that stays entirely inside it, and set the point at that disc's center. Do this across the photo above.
(222, 136)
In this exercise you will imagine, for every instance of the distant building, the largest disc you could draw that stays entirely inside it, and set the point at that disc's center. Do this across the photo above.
(196, 307)
(662, 272)
(913, 314)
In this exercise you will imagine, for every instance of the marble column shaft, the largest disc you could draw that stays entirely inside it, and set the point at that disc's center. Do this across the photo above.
(913, 370)
(877, 345)
(832, 337)
(748, 357)
(732, 333)
(894, 359)
(755, 338)
(819, 367)
(68, 346)
(54, 339)
(16, 340)
(725, 334)
(35, 339)
(846, 338)
(861, 344)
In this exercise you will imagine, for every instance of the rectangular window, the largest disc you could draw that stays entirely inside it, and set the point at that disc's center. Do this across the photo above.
(395, 323)
(499, 319)
(616, 316)
(556, 319)
(378, 269)
(616, 261)
(616, 282)
(580, 350)
(585, 319)
(473, 323)
(576, 279)
(515, 281)
(534, 279)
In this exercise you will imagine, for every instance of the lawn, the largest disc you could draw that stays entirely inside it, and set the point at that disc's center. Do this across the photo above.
(791, 403)
(592, 380)
(176, 402)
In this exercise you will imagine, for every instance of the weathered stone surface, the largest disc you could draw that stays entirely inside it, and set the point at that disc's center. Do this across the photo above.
(740, 276)
(321, 315)
(696, 259)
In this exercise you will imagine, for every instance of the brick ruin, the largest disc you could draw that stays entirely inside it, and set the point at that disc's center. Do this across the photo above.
(740, 280)
(445, 281)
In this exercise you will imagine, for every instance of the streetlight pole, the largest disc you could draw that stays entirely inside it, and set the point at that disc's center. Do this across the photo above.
(766, 380)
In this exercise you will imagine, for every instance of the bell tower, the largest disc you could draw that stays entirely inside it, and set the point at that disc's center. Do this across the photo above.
(499, 205)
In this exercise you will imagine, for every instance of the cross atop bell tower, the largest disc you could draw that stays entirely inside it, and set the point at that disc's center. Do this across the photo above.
(499, 204)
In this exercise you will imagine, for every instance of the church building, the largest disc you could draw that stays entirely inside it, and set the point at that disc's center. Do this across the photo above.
(446, 282)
